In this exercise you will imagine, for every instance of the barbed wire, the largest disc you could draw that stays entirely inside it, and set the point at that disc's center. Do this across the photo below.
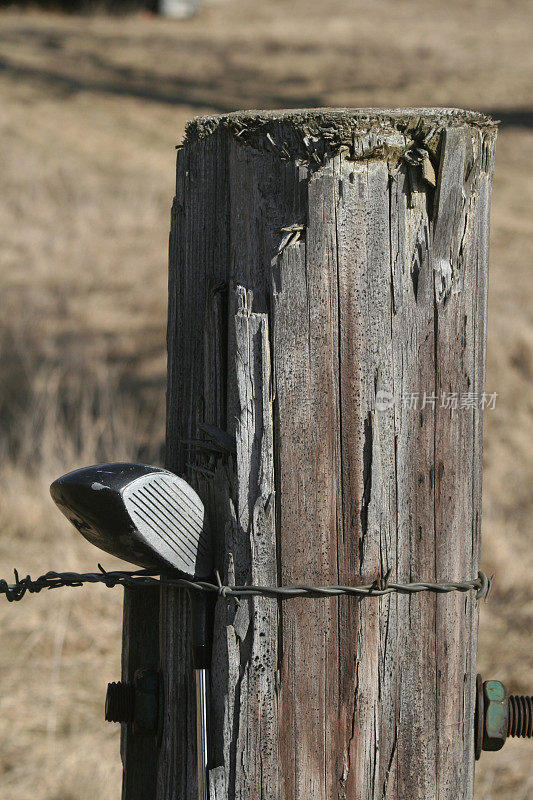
(141, 579)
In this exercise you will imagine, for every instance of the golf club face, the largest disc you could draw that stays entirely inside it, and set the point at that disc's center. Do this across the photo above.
(145, 515)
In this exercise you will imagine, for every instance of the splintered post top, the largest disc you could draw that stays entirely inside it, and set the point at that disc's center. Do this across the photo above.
(145, 515)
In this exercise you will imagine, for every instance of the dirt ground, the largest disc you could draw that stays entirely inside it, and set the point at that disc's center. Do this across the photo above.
(90, 111)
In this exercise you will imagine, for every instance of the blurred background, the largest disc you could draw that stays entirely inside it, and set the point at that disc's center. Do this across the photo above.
(91, 106)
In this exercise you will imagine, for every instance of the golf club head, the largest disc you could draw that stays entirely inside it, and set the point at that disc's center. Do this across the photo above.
(145, 515)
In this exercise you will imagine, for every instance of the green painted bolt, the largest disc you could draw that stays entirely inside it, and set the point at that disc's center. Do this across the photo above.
(496, 717)
(500, 715)
(137, 703)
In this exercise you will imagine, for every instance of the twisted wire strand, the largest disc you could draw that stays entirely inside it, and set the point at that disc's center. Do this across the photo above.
(144, 578)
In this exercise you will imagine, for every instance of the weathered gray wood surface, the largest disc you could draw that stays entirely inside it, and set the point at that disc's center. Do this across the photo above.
(140, 648)
(309, 346)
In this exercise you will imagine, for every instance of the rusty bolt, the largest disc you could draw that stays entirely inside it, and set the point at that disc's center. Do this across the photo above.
(500, 715)
(137, 702)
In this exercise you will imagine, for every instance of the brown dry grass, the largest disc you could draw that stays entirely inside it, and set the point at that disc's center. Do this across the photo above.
(90, 109)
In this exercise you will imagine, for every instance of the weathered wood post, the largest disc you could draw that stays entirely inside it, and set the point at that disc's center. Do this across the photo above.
(328, 282)
(140, 649)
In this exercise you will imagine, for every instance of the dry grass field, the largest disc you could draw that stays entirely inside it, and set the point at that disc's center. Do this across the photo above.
(90, 110)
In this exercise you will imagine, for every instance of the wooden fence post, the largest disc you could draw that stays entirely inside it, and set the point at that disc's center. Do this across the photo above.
(140, 649)
(328, 280)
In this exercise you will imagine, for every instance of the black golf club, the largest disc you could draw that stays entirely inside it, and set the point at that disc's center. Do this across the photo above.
(149, 517)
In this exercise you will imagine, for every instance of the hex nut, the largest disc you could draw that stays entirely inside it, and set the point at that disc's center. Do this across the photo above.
(148, 698)
(139, 703)
(496, 715)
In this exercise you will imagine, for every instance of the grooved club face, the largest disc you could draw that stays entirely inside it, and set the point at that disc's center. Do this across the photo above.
(145, 515)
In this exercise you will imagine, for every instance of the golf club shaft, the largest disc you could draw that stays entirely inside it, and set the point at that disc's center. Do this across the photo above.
(201, 732)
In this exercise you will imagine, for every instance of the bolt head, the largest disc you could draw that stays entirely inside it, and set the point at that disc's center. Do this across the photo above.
(147, 684)
(496, 715)
(138, 703)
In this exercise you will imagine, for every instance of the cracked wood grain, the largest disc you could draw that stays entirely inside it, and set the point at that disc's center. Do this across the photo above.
(309, 349)
(140, 649)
